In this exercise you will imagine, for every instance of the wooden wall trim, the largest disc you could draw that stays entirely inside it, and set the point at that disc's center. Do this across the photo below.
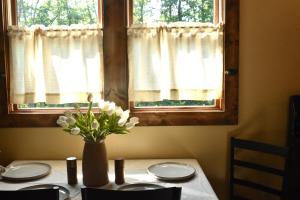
(115, 52)
(4, 75)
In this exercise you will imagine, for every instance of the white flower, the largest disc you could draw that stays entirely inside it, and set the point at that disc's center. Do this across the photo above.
(68, 113)
(109, 118)
(104, 105)
(111, 109)
(129, 125)
(71, 120)
(62, 121)
(119, 111)
(64, 124)
(125, 114)
(134, 120)
(95, 124)
(75, 131)
(62, 118)
(124, 117)
(59, 122)
(122, 121)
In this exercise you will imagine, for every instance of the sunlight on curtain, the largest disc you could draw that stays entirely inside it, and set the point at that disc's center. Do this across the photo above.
(177, 61)
(58, 64)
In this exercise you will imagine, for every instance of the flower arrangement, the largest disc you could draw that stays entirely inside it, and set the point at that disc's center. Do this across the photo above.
(95, 127)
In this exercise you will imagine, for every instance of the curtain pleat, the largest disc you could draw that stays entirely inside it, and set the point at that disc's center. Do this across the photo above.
(177, 61)
(58, 64)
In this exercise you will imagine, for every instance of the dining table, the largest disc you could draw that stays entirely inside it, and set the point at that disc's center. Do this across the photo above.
(135, 171)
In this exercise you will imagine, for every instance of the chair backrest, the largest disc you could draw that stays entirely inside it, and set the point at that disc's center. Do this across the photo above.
(258, 147)
(40, 194)
(172, 193)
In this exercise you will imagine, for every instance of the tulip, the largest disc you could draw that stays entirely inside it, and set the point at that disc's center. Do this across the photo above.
(68, 113)
(111, 109)
(104, 105)
(62, 118)
(90, 97)
(129, 125)
(64, 124)
(124, 117)
(134, 120)
(71, 120)
(119, 111)
(61, 121)
(125, 114)
(75, 131)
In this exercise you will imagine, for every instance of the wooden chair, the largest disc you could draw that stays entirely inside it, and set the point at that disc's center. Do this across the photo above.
(268, 149)
(40, 194)
(172, 193)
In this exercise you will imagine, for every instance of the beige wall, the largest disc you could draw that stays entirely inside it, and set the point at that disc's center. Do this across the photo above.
(269, 74)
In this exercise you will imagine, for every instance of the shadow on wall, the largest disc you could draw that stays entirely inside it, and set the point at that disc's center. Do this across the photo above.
(254, 129)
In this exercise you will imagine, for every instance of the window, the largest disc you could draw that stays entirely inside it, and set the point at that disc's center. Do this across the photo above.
(116, 74)
(61, 48)
(172, 97)
(175, 51)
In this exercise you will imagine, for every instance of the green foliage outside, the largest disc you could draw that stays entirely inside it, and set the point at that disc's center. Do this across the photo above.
(67, 12)
(173, 11)
(57, 12)
(175, 103)
(44, 105)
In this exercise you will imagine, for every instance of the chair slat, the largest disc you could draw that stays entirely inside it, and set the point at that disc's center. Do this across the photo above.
(39, 194)
(171, 193)
(259, 167)
(261, 147)
(236, 197)
(257, 186)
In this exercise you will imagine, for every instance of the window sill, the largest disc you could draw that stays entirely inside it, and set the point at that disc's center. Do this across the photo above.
(186, 118)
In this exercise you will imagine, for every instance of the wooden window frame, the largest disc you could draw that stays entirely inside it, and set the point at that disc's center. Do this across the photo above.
(226, 110)
(116, 20)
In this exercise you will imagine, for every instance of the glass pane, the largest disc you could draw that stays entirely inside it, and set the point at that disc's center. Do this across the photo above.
(172, 103)
(43, 105)
(173, 11)
(57, 12)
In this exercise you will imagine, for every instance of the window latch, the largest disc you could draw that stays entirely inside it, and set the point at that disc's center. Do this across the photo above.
(231, 71)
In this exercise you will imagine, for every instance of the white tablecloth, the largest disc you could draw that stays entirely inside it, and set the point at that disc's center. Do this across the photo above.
(197, 188)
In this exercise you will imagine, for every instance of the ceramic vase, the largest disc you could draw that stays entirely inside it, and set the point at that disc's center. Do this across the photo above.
(94, 164)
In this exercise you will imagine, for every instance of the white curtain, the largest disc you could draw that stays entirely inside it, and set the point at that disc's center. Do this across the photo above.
(55, 64)
(179, 61)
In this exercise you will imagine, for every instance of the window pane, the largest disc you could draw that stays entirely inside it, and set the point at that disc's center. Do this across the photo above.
(43, 105)
(151, 11)
(173, 11)
(170, 103)
(57, 12)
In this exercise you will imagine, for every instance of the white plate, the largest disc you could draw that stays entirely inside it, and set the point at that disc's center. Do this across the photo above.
(26, 171)
(64, 193)
(140, 186)
(171, 171)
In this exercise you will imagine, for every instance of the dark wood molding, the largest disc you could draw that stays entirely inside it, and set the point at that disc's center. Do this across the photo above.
(115, 52)
(4, 75)
(14, 15)
(232, 58)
